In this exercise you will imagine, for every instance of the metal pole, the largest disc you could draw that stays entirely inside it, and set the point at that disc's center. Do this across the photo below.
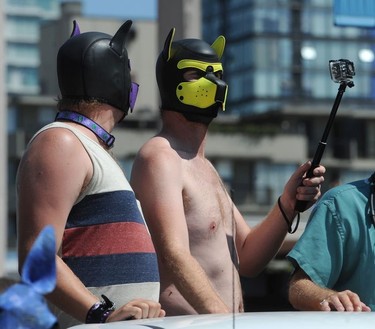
(3, 149)
(301, 205)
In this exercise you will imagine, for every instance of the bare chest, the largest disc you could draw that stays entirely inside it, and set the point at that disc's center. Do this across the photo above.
(208, 208)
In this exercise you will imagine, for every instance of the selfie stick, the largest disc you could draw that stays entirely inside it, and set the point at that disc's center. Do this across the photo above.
(301, 205)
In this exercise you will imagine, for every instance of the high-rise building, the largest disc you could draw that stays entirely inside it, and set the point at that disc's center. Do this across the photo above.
(22, 34)
(278, 52)
(3, 152)
(20, 61)
(276, 63)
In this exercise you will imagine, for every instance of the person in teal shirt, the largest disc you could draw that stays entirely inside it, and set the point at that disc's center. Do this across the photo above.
(334, 259)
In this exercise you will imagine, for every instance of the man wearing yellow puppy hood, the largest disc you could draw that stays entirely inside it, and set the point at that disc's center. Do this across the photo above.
(202, 241)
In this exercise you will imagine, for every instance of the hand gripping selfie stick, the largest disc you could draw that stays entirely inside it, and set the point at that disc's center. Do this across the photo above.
(342, 71)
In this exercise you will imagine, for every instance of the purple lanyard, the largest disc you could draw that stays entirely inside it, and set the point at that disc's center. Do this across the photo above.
(106, 137)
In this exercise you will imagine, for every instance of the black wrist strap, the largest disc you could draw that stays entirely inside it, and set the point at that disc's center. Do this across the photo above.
(287, 221)
(100, 311)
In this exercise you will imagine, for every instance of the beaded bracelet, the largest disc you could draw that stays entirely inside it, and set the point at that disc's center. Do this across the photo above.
(100, 311)
(288, 222)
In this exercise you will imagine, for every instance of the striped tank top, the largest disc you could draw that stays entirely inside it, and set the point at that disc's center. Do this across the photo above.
(106, 242)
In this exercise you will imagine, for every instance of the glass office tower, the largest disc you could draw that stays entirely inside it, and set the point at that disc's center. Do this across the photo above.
(23, 19)
(278, 51)
(276, 64)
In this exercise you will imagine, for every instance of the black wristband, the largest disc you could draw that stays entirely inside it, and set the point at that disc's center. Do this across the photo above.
(287, 221)
(100, 311)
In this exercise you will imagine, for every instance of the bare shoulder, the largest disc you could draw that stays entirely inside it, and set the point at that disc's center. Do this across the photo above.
(156, 150)
(56, 137)
(155, 162)
(54, 143)
(53, 150)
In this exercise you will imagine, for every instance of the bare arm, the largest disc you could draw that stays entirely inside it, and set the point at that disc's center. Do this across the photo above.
(160, 172)
(191, 280)
(50, 178)
(305, 295)
(257, 246)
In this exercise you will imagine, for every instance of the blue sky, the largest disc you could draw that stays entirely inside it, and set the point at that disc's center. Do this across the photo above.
(132, 9)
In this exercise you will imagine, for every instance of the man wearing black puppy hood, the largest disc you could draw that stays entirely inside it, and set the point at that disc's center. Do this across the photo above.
(106, 263)
(191, 217)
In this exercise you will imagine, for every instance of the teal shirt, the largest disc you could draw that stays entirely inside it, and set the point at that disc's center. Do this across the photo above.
(337, 248)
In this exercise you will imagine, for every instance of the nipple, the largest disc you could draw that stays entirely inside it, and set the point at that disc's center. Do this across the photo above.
(213, 226)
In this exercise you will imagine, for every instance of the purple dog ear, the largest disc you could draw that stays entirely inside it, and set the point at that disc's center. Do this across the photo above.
(76, 30)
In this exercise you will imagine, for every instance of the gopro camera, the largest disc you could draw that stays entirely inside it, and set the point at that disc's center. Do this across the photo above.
(341, 70)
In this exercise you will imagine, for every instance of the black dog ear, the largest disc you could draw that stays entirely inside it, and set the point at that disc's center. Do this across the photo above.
(168, 44)
(76, 30)
(119, 39)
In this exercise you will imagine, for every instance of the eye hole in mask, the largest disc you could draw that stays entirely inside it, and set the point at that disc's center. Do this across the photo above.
(196, 74)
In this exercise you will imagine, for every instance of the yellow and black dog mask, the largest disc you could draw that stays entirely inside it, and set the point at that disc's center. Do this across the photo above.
(197, 100)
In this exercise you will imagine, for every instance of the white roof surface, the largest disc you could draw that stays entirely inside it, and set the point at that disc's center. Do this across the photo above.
(251, 320)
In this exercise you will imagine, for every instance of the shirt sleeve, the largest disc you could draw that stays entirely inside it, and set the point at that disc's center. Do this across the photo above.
(319, 251)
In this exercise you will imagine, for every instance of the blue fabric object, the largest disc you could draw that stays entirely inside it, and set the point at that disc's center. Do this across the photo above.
(23, 305)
